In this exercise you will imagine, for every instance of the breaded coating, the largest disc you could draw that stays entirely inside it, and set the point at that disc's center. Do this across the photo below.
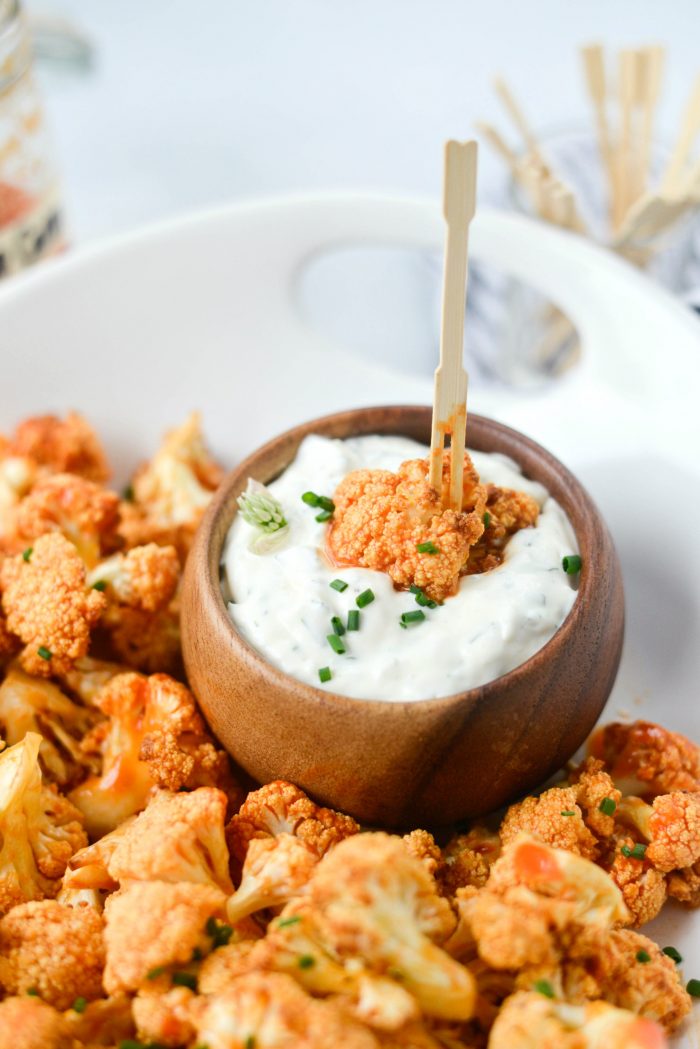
(177, 838)
(381, 518)
(67, 445)
(643, 887)
(554, 818)
(153, 736)
(508, 512)
(54, 949)
(29, 1023)
(646, 759)
(31, 704)
(532, 1021)
(281, 808)
(165, 1019)
(172, 491)
(147, 641)
(377, 903)
(423, 846)
(146, 577)
(467, 860)
(152, 925)
(83, 512)
(274, 871)
(269, 1010)
(48, 605)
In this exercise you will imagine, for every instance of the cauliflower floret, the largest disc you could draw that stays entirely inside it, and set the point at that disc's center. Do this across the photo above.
(9, 644)
(30, 704)
(84, 513)
(423, 846)
(532, 1021)
(87, 874)
(153, 736)
(643, 887)
(29, 1023)
(684, 885)
(646, 759)
(267, 1010)
(107, 1022)
(147, 641)
(597, 795)
(274, 870)
(177, 838)
(152, 926)
(281, 808)
(53, 949)
(467, 860)
(39, 830)
(67, 445)
(381, 519)
(165, 1019)
(670, 825)
(554, 818)
(378, 904)
(88, 676)
(17, 475)
(507, 511)
(49, 606)
(172, 491)
(146, 577)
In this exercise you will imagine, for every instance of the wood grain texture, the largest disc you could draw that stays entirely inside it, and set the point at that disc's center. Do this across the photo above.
(428, 762)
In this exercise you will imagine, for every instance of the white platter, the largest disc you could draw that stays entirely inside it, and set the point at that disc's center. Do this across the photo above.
(204, 312)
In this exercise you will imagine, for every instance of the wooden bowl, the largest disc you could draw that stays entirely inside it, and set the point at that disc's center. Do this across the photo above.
(427, 762)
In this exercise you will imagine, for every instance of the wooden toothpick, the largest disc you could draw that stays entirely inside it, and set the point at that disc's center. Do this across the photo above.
(450, 396)
(684, 143)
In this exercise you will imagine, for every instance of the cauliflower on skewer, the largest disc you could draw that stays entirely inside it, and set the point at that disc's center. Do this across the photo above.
(84, 513)
(67, 445)
(645, 759)
(54, 950)
(49, 606)
(507, 511)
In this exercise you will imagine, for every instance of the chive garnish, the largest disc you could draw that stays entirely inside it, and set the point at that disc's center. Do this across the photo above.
(306, 961)
(338, 626)
(486, 519)
(128, 493)
(544, 987)
(411, 618)
(99, 585)
(693, 988)
(153, 974)
(325, 503)
(636, 852)
(353, 619)
(422, 598)
(185, 980)
(32, 992)
(568, 812)
(339, 585)
(250, 1042)
(27, 554)
(643, 957)
(571, 564)
(79, 1005)
(310, 498)
(673, 954)
(336, 644)
(364, 599)
(324, 674)
(220, 933)
(284, 923)
(607, 806)
(325, 515)
(43, 652)
(428, 548)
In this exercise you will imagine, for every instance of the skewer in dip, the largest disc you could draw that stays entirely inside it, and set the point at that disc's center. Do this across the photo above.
(288, 601)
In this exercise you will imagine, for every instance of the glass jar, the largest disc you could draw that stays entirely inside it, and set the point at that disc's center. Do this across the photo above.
(31, 226)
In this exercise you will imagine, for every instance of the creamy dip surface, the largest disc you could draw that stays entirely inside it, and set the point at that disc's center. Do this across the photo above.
(282, 601)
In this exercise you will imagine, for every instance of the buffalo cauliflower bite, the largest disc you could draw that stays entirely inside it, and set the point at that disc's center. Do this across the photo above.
(643, 887)
(88, 676)
(39, 829)
(30, 704)
(17, 475)
(645, 759)
(104, 1022)
(423, 846)
(507, 512)
(596, 795)
(67, 445)
(153, 736)
(29, 1023)
(54, 950)
(381, 518)
(377, 904)
(147, 641)
(532, 1021)
(684, 885)
(84, 513)
(467, 860)
(165, 1019)
(670, 826)
(9, 644)
(49, 606)
(281, 808)
(145, 577)
(274, 871)
(554, 818)
(154, 926)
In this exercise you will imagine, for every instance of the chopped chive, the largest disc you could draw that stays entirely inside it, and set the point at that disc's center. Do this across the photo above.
(607, 806)
(306, 961)
(571, 564)
(153, 974)
(364, 599)
(43, 652)
(325, 515)
(428, 548)
(336, 644)
(643, 957)
(353, 619)
(422, 598)
(185, 980)
(486, 519)
(99, 585)
(544, 987)
(324, 674)
(338, 626)
(196, 955)
(284, 923)
(568, 812)
(211, 926)
(395, 974)
(128, 493)
(220, 933)
(339, 585)
(693, 988)
(250, 1042)
(79, 1005)
(409, 618)
(673, 954)
(131, 1043)
(27, 554)
(32, 992)
(310, 498)
(636, 852)
(325, 503)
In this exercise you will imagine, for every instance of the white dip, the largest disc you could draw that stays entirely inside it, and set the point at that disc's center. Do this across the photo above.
(283, 602)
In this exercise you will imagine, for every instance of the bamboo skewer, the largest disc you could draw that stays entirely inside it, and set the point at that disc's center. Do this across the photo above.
(684, 143)
(656, 57)
(518, 118)
(594, 68)
(450, 394)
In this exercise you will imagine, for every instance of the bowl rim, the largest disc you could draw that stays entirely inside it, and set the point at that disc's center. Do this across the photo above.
(223, 506)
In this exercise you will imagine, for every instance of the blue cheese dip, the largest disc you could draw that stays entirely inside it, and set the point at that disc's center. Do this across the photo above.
(282, 602)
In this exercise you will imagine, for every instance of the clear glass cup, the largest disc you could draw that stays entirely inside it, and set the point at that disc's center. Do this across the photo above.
(31, 225)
